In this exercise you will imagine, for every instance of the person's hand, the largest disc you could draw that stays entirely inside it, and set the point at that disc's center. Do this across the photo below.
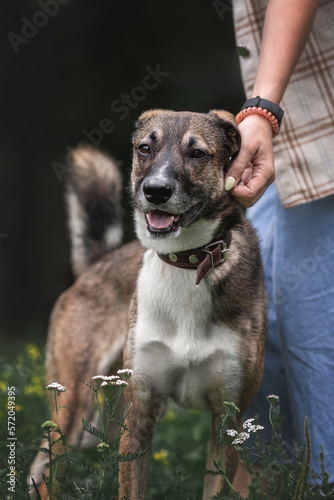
(253, 169)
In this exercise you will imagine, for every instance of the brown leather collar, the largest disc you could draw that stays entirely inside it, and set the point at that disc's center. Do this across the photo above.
(203, 259)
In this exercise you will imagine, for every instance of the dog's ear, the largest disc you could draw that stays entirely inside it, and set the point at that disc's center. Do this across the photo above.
(147, 115)
(227, 122)
(223, 115)
(150, 113)
(229, 125)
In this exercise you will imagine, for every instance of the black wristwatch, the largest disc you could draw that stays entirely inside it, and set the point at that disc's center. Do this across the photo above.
(258, 102)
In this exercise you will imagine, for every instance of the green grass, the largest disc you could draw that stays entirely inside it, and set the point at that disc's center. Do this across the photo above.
(177, 449)
(24, 372)
(178, 452)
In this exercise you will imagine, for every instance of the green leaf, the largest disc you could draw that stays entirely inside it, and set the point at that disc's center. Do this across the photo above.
(93, 431)
(130, 457)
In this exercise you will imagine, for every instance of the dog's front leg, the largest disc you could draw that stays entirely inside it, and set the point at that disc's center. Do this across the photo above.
(213, 484)
(140, 423)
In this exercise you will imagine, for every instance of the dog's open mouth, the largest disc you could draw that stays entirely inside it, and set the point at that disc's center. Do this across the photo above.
(159, 222)
(162, 222)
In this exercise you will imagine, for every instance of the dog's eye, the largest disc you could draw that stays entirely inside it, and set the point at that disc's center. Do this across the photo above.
(197, 153)
(144, 149)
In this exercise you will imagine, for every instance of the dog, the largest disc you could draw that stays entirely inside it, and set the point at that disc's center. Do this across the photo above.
(186, 302)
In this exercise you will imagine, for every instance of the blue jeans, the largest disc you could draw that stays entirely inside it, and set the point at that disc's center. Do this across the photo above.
(297, 247)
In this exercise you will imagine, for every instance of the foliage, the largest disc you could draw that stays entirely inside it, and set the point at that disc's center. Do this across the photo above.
(283, 471)
(25, 372)
(179, 446)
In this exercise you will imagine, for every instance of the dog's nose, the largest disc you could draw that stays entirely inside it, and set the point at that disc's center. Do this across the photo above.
(157, 191)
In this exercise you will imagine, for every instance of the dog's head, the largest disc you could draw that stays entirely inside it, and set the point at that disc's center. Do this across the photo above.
(178, 176)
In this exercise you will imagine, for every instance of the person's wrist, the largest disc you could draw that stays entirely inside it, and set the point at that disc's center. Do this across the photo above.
(255, 126)
(253, 129)
(263, 107)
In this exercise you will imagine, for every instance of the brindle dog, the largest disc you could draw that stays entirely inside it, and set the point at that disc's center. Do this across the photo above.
(197, 319)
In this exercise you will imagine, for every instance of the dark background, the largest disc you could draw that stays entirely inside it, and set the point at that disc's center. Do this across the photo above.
(62, 80)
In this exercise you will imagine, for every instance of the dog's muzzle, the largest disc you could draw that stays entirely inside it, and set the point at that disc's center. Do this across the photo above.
(157, 191)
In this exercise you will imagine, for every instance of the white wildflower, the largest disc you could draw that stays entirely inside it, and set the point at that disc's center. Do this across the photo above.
(242, 437)
(108, 380)
(125, 373)
(105, 378)
(250, 427)
(248, 422)
(120, 382)
(255, 428)
(272, 398)
(56, 388)
(232, 432)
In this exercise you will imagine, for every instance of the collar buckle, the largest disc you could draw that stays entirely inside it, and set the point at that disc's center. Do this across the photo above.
(203, 259)
(224, 250)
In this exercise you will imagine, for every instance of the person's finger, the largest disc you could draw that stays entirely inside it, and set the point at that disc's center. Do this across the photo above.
(236, 170)
(250, 193)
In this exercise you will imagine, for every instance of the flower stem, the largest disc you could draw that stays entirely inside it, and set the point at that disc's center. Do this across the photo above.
(99, 410)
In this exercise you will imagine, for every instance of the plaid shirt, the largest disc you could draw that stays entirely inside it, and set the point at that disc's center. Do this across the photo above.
(304, 149)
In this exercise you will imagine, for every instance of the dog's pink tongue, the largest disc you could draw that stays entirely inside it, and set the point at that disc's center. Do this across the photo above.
(160, 220)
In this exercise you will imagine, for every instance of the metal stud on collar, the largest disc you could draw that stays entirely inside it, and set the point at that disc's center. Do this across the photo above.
(172, 257)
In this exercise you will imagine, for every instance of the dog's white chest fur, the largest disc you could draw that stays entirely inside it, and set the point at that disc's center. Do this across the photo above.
(179, 350)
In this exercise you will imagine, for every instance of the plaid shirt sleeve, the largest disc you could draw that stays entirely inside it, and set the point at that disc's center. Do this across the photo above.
(304, 149)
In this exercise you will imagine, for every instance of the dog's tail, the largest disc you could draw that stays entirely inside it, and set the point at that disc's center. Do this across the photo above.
(93, 191)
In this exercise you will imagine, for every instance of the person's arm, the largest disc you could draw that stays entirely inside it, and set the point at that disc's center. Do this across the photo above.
(286, 29)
